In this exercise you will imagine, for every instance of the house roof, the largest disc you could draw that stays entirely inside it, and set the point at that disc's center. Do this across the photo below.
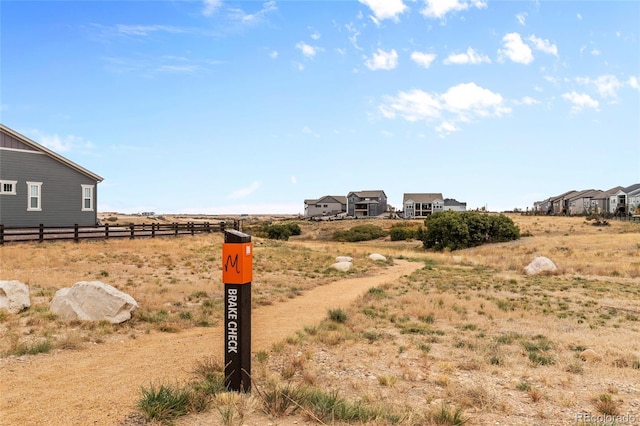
(606, 194)
(368, 194)
(631, 188)
(328, 199)
(587, 193)
(422, 197)
(558, 197)
(452, 202)
(37, 147)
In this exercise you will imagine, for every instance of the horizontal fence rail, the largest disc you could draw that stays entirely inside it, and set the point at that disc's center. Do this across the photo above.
(76, 233)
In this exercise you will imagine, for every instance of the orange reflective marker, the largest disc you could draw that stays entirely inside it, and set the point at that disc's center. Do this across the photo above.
(237, 263)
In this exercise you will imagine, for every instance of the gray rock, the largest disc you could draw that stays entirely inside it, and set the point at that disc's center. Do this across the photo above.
(344, 259)
(539, 265)
(93, 301)
(14, 296)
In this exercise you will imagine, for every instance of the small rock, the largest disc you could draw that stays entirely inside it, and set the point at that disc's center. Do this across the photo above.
(590, 355)
(344, 259)
(376, 256)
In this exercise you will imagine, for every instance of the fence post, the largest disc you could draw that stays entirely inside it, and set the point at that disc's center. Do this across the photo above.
(106, 231)
(153, 230)
(221, 226)
(133, 232)
(237, 274)
(192, 226)
(1, 234)
(75, 233)
(41, 233)
(175, 228)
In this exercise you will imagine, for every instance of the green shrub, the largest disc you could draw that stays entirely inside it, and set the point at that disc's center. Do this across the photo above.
(164, 403)
(278, 232)
(360, 233)
(399, 233)
(458, 230)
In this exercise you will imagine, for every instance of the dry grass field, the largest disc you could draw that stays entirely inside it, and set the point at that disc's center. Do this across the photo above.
(466, 337)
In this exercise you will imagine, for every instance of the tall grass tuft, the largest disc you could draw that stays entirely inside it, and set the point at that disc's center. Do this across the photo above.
(164, 403)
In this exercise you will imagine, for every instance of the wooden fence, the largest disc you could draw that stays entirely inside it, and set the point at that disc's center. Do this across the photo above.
(76, 233)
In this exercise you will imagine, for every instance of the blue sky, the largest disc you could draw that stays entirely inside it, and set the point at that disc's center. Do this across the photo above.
(228, 107)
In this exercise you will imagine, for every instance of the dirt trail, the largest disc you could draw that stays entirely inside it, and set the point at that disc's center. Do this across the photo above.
(100, 385)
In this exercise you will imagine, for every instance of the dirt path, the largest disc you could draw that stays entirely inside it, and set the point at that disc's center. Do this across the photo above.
(100, 385)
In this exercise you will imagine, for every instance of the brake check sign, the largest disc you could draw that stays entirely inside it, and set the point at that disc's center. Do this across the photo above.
(237, 273)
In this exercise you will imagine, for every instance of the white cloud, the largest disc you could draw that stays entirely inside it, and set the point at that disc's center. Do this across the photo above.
(515, 49)
(58, 144)
(145, 30)
(543, 45)
(469, 99)
(580, 101)
(307, 131)
(522, 18)
(247, 190)
(294, 180)
(469, 57)
(595, 52)
(459, 104)
(579, 16)
(606, 85)
(252, 18)
(439, 8)
(386, 9)
(633, 82)
(211, 7)
(423, 59)
(383, 60)
(528, 100)
(273, 54)
(307, 50)
(414, 105)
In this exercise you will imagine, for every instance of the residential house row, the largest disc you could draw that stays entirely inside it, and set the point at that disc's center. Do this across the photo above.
(618, 200)
(359, 204)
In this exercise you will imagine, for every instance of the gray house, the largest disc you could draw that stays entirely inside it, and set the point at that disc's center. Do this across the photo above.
(38, 186)
(455, 205)
(366, 203)
(421, 204)
(327, 205)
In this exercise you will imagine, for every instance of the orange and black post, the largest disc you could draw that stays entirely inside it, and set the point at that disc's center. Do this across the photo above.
(237, 273)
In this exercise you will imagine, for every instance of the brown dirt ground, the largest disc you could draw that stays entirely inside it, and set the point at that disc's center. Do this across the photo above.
(100, 385)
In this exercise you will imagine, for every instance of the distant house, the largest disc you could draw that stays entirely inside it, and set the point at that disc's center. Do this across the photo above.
(421, 204)
(38, 186)
(580, 202)
(327, 205)
(366, 203)
(600, 203)
(634, 201)
(559, 203)
(618, 200)
(451, 204)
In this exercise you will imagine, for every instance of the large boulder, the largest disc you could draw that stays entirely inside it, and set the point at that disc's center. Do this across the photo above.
(93, 301)
(14, 296)
(539, 265)
(377, 256)
(344, 259)
(342, 266)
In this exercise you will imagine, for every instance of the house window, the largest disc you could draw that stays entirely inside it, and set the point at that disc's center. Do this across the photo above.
(87, 198)
(8, 187)
(34, 192)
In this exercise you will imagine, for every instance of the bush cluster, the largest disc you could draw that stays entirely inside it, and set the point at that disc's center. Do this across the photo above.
(360, 233)
(458, 230)
(401, 233)
(280, 231)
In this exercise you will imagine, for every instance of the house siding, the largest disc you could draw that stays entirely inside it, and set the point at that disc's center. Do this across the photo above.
(61, 191)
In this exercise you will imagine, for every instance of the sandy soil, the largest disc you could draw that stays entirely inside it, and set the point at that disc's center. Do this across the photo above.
(100, 385)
